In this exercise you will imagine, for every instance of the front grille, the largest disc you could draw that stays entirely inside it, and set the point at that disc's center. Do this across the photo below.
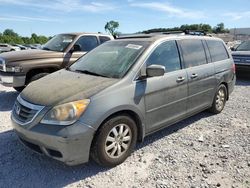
(24, 112)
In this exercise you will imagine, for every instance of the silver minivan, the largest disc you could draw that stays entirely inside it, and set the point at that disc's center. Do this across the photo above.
(121, 92)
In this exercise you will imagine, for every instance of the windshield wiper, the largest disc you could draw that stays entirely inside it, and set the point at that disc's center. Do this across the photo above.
(90, 73)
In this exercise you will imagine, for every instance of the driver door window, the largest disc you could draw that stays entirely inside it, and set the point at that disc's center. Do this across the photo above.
(87, 43)
(167, 55)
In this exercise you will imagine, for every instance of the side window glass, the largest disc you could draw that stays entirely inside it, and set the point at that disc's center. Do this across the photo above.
(104, 39)
(193, 52)
(167, 55)
(87, 43)
(217, 50)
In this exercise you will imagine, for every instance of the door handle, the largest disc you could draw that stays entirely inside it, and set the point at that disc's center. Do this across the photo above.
(194, 75)
(180, 79)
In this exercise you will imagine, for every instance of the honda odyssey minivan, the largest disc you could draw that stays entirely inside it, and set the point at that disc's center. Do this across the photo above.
(121, 92)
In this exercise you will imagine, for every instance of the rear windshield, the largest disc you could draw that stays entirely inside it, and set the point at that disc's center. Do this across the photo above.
(244, 46)
(112, 59)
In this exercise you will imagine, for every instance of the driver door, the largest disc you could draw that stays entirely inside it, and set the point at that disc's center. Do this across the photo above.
(165, 96)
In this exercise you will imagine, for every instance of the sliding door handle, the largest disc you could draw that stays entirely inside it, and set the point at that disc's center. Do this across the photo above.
(194, 75)
(180, 79)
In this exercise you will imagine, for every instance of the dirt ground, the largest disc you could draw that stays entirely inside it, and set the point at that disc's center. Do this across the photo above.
(203, 151)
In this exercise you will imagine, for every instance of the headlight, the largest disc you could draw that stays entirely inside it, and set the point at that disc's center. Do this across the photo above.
(66, 114)
(14, 69)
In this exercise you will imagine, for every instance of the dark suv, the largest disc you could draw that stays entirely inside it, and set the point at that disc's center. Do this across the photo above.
(241, 56)
(121, 92)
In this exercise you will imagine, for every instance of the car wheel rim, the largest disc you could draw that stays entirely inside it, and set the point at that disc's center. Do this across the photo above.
(220, 99)
(118, 141)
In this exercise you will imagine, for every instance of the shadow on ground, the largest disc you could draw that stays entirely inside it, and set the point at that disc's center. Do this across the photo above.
(22, 167)
(7, 100)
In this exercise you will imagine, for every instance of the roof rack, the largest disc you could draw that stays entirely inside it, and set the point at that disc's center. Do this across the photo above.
(186, 32)
(153, 34)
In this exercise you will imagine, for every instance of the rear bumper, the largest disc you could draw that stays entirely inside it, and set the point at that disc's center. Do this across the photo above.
(72, 149)
(242, 67)
(231, 84)
(12, 81)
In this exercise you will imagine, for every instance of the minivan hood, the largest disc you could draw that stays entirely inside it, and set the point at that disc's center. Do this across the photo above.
(64, 86)
(243, 53)
(14, 56)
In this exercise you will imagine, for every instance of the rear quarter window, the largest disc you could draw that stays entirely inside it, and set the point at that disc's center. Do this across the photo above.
(217, 50)
(103, 39)
(193, 52)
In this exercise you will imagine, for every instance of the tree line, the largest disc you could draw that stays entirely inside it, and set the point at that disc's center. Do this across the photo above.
(11, 37)
(112, 27)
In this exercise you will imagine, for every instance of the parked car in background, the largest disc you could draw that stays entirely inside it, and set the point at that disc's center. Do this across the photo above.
(241, 56)
(22, 47)
(8, 48)
(18, 69)
(120, 92)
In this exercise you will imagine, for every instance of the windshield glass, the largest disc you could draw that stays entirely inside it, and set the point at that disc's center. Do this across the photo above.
(59, 43)
(244, 46)
(111, 59)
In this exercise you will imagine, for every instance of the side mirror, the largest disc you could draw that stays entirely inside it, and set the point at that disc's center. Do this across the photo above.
(76, 48)
(155, 70)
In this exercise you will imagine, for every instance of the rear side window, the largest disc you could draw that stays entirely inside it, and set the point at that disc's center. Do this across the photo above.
(104, 39)
(193, 52)
(217, 50)
(167, 55)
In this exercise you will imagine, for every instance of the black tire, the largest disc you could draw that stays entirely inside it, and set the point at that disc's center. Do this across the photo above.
(100, 144)
(219, 103)
(19, 89)
(37, 76)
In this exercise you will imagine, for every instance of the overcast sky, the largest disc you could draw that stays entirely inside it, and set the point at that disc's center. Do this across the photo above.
(49, 17)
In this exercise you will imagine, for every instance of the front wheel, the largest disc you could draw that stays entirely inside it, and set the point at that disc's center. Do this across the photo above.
(114, 141)
(219, 100)
(19, 89)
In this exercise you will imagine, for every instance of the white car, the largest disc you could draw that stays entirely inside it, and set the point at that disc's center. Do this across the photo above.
(8, 48)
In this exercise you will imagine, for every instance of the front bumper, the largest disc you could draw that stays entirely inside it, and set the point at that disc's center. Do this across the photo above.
(12, 80)
(71, 149)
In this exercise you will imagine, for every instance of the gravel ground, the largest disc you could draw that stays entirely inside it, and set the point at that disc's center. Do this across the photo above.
(203, 151)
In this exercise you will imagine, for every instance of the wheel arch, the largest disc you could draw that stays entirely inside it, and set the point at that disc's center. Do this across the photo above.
(132, 114)
(38, 70)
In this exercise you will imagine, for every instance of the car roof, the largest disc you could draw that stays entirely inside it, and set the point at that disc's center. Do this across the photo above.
(86, 33)
(155, 37)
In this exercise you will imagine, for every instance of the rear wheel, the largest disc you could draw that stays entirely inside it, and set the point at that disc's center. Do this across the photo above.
(219, 100)
(114, 141)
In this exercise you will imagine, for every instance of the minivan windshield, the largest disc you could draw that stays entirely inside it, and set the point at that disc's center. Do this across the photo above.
(111, 59)
(59, 43)
(244, 46)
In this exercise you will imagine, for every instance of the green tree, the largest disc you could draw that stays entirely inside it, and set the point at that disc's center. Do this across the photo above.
(10, 32)
(112, 27)
(220, 28)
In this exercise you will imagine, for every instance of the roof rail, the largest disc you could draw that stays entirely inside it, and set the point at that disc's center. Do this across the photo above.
(186, 32)
(195, 32)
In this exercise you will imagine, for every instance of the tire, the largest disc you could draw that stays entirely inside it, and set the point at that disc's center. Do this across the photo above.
(19, 89)
(110, 147)
(37, 76)
(219, 100)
